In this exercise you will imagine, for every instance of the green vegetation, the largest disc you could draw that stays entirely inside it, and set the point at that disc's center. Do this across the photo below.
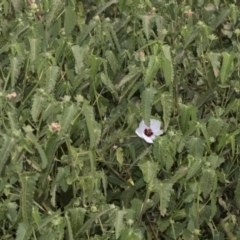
(77, 78)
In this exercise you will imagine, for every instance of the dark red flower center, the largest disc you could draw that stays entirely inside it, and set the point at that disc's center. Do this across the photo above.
(148, 132)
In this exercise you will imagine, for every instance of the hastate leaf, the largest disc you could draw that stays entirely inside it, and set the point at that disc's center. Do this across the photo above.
(214, 126)
(16, 63)
(167, 102)
(132, 76)
(159, 150)
(23, 232)
(195, 146)
(28, 184)
(194, 168)
(70, 19)
(187, 112)
(76, 217)
(152, 69)
(7, 147)
(226, 66)
(149, 170)
(206, 181)
(79, 54)
(118, 224)
(214, 60)
(31, 137)
(17, 5)
(146, 104)
(221, 17)
(112, 60)
(51, 77)
(167, 65)
(93, 127)
(70, 111)
(237, 193)
(56, 6)
(34, 48)
(146, 20)
(38, 104)
(164, 191)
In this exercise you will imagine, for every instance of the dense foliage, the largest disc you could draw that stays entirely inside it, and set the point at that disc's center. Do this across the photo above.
(77, 77)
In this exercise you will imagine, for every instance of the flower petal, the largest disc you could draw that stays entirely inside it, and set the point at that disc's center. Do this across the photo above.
(158, 133)
(155, 125)
(148, 139)
(139, 132)
(142, 125)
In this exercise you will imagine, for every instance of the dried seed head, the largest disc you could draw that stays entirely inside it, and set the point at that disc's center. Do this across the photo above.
(188, 13)
(11, 95)
(55, 127)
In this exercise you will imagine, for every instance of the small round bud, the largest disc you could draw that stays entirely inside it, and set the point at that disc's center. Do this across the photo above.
(93, 209)
(34, 6)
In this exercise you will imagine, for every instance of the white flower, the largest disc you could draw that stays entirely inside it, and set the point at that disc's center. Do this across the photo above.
(148, 133)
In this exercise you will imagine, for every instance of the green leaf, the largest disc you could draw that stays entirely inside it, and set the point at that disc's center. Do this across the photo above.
(34, 49)
(7, 147)
(118, 223)
(132, 76)
(69, 114)
(119, 156)
(69, 227)
(146, 21)
(112, 60)
(94, 129)
(152, 69)
(186, 114)
(191, 36)
(167, 103)
(23, 232)
(205, 134)
(136, 206)
(28, 185)
(95, 63)
(195, 146)
(108, 83)
(215, 160)
(76, 216)
(146, 104)
(215, 126)
(160, 150)
(194, 168)
(149, 170)
(180, 173)
(87, 30)
(221, 18)
(227, 66)
(114, 37)
(51, 77)
(114, 116)
(30, 136)
(51, 16)
(13, 121)
(87, 224)
(237, 193)
(214, 60)
(167, 65)
(206, 181)
(15, 63)
(17, 5)
(164, 191)
(70, 19)
(79, 54)
(38, 104)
